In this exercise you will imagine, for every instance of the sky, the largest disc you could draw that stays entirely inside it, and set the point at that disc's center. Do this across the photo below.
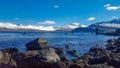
(58, 12)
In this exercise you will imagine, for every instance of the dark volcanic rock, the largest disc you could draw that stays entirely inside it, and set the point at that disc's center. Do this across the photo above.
(37, 44)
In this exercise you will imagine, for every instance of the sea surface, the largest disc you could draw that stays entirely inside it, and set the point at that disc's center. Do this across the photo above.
(81, 42)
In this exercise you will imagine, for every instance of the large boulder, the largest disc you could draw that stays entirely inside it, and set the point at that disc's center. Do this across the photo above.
(43, 58)
(37, 44)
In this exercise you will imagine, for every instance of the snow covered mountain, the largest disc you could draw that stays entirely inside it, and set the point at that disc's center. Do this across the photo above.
(6, 26)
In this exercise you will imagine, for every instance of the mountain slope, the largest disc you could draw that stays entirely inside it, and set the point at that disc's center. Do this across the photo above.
(104, 27)
(113, 24)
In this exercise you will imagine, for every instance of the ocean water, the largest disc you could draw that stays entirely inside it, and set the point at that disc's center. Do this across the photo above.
(81, 42)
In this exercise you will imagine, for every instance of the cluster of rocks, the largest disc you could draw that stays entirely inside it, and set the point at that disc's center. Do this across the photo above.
(40, 55)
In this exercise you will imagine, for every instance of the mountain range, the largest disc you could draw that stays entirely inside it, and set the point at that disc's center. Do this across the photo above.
(105, 26)
(6, 26)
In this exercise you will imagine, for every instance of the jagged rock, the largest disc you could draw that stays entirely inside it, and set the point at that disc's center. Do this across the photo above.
(37, 44)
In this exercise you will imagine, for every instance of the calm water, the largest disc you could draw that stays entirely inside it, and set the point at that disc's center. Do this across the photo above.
(81, 42)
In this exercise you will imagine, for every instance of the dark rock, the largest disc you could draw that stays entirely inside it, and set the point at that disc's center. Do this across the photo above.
(67, 47)
(37, 44)
(60, 65)
(111, 47)
(117, 43)
(98, 60)
(95, 51)
(59, 51)
(118, 50)
(6, 66)
(76, 66)
(100, 66)
(111, 41)
(64, 58)
(73, 53)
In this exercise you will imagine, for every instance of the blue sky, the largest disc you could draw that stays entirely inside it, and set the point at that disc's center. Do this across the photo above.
(59, 12)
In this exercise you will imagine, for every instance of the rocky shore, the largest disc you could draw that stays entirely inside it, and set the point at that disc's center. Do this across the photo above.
(39, 55)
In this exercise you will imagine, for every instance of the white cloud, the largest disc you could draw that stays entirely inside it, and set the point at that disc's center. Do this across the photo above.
(111, 8)
(91, 18)
(56, 6)
(47, 22)
(107, 5)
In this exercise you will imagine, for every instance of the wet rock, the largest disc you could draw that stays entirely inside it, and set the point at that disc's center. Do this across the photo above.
(73, 53)
(37, 44)
(67, 47)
